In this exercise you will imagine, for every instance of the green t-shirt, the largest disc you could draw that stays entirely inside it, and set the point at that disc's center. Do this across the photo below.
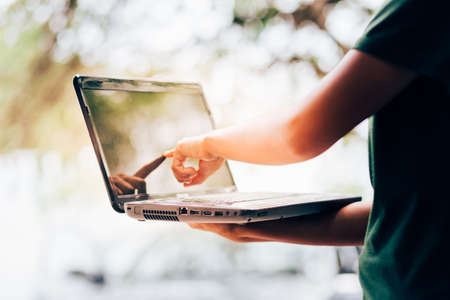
(406, 253)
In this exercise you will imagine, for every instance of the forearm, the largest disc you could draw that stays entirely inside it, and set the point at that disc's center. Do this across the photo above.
(263, 141)
(357, 88)
(347, 226)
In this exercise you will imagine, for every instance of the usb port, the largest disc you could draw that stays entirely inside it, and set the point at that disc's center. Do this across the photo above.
(194, 212)
(206, 213)
(218, 213)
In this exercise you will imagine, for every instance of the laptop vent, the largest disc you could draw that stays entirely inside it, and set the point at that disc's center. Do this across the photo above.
(160, 215)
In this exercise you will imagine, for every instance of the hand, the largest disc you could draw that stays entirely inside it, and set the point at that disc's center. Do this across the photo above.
(193, 148)
(343, 227)
(123, 184)
(234, 232)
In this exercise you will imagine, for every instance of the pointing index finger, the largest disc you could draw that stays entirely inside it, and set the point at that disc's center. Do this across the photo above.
(148, 168)
(169, 153)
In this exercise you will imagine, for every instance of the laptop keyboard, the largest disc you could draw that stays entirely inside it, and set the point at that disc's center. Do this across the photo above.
(232, 197)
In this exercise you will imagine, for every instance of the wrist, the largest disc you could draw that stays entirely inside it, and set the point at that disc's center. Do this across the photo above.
(207, 145)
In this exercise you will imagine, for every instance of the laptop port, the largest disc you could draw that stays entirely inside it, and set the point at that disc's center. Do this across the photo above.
(206, 213)
(183, 211)
(194, 212)
(218, 213)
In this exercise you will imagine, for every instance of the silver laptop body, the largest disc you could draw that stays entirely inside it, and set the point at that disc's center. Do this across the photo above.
(132, 121)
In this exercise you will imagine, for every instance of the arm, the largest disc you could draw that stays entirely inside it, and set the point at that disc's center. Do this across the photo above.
(345, 227)
(357, 88)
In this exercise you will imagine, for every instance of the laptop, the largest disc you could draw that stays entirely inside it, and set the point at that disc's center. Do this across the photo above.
(133, 121)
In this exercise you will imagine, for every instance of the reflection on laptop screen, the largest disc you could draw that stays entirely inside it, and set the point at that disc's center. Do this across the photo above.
(134, 128)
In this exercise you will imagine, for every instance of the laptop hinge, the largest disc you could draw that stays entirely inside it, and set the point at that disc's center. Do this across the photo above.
(121, 200)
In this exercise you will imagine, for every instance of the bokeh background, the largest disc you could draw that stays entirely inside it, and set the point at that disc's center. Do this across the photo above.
(59, 236)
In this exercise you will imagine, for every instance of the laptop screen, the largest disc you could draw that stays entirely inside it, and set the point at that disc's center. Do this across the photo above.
(134, 127)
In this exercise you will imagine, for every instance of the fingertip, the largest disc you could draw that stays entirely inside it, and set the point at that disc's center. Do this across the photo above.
(199, 179)
(179, 179)
(191, 183)
(169, 153)
(195, 225)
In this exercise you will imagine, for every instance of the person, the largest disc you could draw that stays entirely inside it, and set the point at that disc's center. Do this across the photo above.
(398, 75)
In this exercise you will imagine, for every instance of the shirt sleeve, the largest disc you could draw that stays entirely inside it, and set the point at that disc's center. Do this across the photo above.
(413, 34)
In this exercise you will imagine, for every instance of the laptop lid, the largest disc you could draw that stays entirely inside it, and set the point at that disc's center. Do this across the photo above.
(133, 121)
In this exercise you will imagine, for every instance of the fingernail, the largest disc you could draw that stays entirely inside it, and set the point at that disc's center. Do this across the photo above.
(168, 152)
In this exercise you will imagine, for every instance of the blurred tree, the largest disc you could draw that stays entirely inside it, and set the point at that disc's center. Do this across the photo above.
(37, 108)
(35, 84)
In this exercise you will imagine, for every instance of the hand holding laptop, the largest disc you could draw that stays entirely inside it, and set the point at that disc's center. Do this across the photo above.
(217, 200)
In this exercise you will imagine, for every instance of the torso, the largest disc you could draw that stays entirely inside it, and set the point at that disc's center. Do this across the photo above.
(405, 253)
